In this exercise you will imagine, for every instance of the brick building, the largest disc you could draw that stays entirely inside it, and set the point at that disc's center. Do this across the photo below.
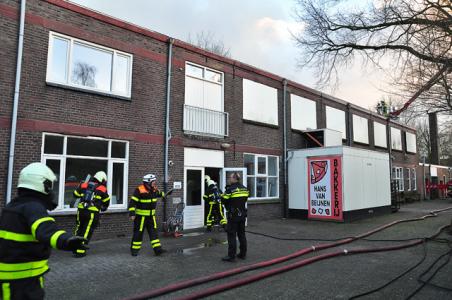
(93, 96)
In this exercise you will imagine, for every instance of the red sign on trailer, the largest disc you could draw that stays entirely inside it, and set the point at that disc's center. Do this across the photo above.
(325, 187)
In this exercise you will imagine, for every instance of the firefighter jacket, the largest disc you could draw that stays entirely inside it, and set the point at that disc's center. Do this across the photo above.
(213, 194)
(143, 202)
(234, 199)
(99, 202)
(27, 234)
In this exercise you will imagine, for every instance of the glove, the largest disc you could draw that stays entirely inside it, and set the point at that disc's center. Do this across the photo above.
(75, 242)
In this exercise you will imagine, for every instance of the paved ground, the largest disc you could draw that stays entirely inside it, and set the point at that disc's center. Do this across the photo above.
(109, 272)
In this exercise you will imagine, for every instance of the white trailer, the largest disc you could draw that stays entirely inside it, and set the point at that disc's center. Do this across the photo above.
(338, 183)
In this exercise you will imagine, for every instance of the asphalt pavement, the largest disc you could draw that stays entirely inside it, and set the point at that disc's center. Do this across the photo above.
(110, 272)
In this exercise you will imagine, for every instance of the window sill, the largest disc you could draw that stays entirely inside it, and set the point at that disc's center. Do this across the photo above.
(260, 123)
(74, 212)
(264, 200)
(80, 89)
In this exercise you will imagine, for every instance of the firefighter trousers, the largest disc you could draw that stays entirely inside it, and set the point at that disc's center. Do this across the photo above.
(87, 221)
(23, 289)
(215, 214)
(236, 229)
(140, 224)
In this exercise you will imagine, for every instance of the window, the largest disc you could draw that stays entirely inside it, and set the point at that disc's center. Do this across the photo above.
(81, 64)
(260, 102)
(380, 135)
(397, 175)
(408, 179)
(335, 119)
(303, 113)
(262, 175)
(410, 142)
(396, 139)
(73, 158)
(360, 130)
(203, 87)
(413, 180)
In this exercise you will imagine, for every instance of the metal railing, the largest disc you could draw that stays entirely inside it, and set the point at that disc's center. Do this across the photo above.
(207, 122)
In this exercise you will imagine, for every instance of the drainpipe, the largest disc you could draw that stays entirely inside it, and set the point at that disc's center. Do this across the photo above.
(350, 124)
(286, 193)
(167, 127)
(12, 143)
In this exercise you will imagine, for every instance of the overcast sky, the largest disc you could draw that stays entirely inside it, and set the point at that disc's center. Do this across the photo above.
(256, 31)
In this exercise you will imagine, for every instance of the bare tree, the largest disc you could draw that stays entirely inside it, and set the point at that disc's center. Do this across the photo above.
(207, 41)
(84, 74)
(410, 39)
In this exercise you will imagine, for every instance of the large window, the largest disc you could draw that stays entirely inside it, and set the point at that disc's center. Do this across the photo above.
(262, 175)
(360, 130)
(413, 180)
(410, 142)
(335, 119)
(203, 87)
(302, 113)
(80, 64)
(396, 139)
(380, 135)
(73, 158)
(397, 175)
(260, 102)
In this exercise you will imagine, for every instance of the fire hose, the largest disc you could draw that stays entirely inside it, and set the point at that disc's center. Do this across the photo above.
(219, 275)
(304, 262)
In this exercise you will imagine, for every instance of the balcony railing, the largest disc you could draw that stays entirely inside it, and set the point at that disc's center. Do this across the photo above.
(207, 122)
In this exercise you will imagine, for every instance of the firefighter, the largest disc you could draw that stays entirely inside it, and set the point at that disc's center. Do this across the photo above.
(142, 207)
(27, 234)
(93, 198)
(234, 200)
(213, 197)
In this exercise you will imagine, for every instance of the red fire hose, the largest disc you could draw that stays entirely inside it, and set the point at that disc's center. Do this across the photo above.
(199, 280)
(304, 262)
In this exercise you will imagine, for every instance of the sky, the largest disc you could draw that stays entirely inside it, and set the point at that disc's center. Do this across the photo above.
(257, 32)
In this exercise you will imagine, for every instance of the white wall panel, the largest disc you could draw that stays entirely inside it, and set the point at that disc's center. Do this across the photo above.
(360, 130)
(260, 102)
(410, 142)
(335, 119)
(380, 135)
(396, 139)
(302, 113)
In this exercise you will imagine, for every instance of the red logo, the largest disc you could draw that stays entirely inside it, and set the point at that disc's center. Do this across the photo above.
(318, 170)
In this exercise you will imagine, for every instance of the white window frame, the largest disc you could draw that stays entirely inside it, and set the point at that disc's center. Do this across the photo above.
(410, 142)
(256, 156)
(259, 111)
(414, 178)
(110, 160)
(398, 175)
(67, 82)
(409, 179)
(207, 80)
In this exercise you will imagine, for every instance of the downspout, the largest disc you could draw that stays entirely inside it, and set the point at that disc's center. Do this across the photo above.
(12, 143)
(350, 124)
(167, 127)
(286, 187)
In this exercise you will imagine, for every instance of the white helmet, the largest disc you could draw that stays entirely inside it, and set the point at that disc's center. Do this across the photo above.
(149, 178)
(100, 176)
(37, 177)
(207, 178)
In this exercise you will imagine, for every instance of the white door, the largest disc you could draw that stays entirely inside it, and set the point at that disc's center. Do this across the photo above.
(193, 192)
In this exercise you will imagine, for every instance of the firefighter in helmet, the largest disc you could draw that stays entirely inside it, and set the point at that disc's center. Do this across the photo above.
(27, 234)
(93, 198)
(213, 198)
(142, 207)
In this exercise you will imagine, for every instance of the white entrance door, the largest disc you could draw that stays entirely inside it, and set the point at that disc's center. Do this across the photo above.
(193, 192)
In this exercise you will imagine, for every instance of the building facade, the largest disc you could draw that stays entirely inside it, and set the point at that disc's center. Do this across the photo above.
(94, 94)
